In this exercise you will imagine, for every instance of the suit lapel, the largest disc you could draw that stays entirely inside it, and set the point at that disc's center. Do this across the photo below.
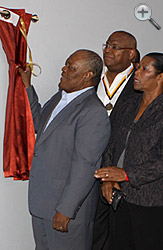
(129, 87)
(128, 90)
(47, 113)
(61, 116)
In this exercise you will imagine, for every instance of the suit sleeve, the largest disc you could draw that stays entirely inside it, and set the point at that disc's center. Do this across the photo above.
(92, 135)
(36, 108)
(107, 159)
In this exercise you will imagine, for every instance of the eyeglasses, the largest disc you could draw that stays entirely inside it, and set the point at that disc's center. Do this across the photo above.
(113, 47)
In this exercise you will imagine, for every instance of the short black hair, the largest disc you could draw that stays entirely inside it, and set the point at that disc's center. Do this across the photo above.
(158, 61)
(94, 63)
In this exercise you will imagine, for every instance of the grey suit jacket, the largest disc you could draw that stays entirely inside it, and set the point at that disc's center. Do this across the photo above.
(66, 156)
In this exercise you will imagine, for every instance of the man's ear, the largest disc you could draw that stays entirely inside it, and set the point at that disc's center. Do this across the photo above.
(160, 78)
(132, 54)
(88, 76)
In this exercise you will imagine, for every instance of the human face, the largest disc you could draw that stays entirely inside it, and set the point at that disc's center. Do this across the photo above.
(117, 60)
(146, 76)
(73, 73)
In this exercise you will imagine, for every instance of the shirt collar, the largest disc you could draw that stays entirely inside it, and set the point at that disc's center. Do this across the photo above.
(70, 96)
(118, 78)
(121, 74)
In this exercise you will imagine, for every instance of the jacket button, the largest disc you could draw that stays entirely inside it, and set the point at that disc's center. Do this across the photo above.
(35, 154)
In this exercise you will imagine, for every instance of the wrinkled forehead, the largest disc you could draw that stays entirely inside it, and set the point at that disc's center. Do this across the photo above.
(76, 56)
(77, 60)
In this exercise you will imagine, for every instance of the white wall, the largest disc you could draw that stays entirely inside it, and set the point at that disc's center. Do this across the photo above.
(64, 26)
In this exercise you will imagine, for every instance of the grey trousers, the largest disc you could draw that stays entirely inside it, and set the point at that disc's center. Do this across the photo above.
(78, 237)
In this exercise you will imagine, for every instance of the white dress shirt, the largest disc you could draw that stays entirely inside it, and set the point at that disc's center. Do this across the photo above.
(101, 88)
(65, 100)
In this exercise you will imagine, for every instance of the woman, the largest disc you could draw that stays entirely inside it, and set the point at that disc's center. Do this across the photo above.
(134, 160)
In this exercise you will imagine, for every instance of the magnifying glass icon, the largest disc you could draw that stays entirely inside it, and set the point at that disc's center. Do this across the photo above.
(143, 12)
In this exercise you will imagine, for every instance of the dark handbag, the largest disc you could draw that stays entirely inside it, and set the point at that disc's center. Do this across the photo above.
(117, 196)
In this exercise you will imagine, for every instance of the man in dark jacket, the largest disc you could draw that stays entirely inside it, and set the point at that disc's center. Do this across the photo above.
(115, 86)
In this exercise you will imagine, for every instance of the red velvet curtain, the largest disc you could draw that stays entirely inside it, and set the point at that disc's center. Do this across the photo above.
(19, 136)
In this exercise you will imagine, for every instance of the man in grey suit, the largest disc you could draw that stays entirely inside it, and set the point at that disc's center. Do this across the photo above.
(72, 129)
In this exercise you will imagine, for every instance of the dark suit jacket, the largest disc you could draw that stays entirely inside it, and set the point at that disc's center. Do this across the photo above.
(102, 221)
(127, 91)
(125, 94)
(143, 160)
(66, 156)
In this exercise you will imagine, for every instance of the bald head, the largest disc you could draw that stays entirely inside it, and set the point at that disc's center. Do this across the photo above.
(128, 37)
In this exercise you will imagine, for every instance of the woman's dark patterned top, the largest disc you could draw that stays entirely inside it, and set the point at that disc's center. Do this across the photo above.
(143, 160)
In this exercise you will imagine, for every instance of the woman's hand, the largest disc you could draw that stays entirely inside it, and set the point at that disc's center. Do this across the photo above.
(107, 190)
(111, 174)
